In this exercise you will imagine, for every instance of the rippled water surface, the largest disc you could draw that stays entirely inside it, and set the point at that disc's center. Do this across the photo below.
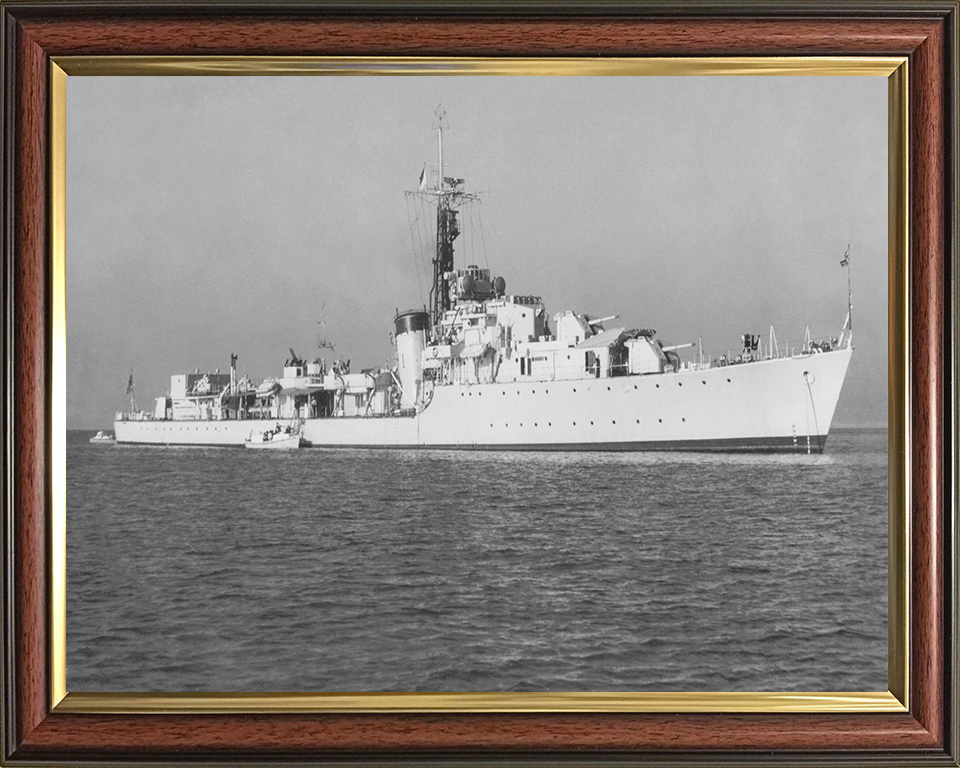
(207, 569)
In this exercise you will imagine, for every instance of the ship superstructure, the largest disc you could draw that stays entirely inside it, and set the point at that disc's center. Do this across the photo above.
(482, 368)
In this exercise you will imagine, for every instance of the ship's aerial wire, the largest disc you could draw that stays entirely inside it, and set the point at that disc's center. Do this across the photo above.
(411, 221)
(464, 250)
(413, 249)
(483, 244)
(425, 252)
(423, 232)
(424, 235)
(473, 248)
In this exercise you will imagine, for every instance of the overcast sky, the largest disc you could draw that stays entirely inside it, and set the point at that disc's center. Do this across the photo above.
(216, 215)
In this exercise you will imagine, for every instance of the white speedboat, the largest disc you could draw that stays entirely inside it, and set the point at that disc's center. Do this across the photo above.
(103, 438)
(278, 439)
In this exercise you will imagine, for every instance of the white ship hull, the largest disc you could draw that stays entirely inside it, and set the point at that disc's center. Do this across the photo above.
(784, 404)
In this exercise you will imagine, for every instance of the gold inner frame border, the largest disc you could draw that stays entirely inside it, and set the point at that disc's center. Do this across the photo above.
(895, 69)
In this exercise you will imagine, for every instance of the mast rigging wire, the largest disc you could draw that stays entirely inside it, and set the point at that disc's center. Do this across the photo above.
(483, 243)
(413, 248)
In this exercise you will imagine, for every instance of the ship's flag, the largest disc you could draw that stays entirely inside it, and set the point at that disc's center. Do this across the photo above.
(423, 178)
(846, 258)
(130, 384)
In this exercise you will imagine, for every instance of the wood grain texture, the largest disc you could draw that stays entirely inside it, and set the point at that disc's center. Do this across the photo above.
(294, 735)
(30, 354)
(927, 263)
(339, 36)
(919, 735)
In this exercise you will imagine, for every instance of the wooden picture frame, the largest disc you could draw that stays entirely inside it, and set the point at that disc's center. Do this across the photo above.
(40, 727)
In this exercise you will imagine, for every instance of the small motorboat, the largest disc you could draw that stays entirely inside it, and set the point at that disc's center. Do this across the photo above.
(278, 439)
(103, 438)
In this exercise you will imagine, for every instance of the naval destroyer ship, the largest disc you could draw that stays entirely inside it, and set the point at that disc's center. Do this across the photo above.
(485, 369)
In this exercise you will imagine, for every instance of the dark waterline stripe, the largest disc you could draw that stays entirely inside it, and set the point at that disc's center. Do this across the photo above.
(733, 445)
(726, 445)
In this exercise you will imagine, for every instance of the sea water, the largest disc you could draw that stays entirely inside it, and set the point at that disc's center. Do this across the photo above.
(222, 569)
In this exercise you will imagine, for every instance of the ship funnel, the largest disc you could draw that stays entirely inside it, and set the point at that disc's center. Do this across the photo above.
(411, 340)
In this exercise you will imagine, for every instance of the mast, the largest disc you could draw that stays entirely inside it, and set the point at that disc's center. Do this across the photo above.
(131, 390)
(450, 196)
(848, 325)
(847, 259)
(448, 229)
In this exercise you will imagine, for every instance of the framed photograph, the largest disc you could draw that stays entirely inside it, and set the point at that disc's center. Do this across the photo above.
(434, 384)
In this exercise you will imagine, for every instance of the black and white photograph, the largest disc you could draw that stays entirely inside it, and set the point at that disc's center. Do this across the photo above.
(477, 384)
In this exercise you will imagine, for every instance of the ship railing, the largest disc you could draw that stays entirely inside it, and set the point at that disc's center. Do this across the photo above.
(811, 346)
(212, 392)
(135, 416)
(784, 349)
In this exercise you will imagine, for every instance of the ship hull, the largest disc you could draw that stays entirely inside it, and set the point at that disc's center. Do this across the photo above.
(779, 405)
